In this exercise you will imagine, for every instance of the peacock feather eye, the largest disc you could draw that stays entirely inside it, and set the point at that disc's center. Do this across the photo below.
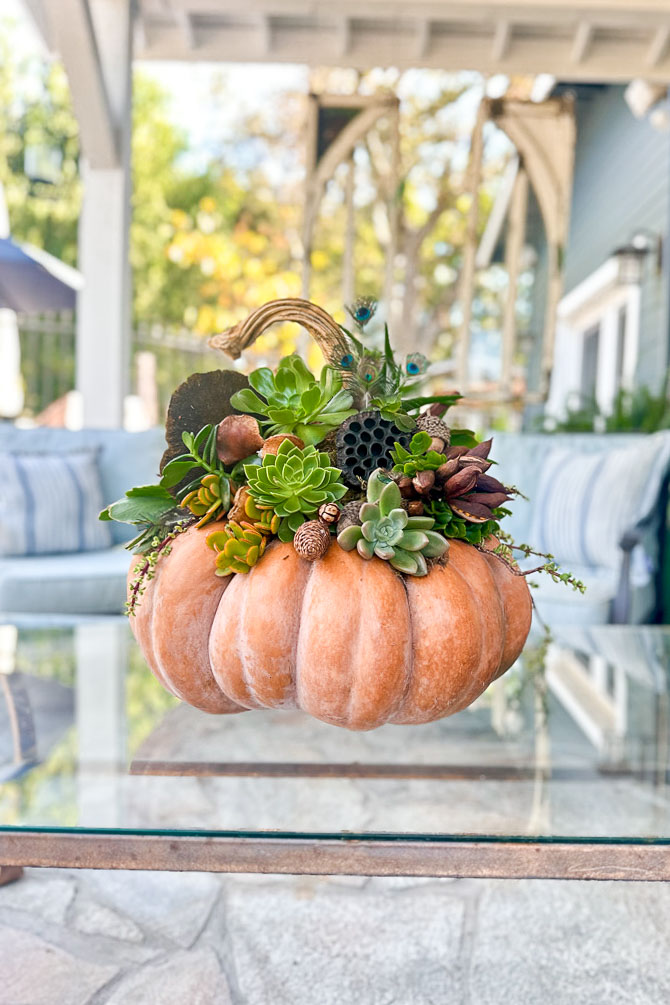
(347, 361)
(368, 370)
(416, 363)
(363, 310)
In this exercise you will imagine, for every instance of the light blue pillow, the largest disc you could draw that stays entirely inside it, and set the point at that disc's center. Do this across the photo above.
(585, 502)
(49, 504)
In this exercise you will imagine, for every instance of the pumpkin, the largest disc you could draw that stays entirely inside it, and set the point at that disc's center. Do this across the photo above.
(347, 641)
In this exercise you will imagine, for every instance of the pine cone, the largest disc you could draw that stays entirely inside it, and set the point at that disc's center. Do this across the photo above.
(350, 515)
(312, 540)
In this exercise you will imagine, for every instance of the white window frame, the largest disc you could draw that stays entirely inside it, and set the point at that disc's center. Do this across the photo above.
(596, 301)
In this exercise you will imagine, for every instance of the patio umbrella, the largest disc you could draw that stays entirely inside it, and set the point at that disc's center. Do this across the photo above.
(31, 281)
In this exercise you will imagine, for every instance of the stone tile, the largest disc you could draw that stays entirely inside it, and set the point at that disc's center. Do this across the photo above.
(96, 919)
(297, 942)
(186, 978)
(41, 893)
(166, 905)
(567, 942)
(36, 973)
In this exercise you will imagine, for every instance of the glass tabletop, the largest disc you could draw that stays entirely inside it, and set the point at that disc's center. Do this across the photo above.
(572, 743)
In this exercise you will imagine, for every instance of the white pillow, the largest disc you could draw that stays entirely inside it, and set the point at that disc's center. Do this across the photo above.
(585, 502)
(49, 504)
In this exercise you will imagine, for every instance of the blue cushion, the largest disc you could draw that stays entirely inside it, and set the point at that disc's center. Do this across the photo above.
(49, 503)
(124, 459)
(585, 502)
(92, 582)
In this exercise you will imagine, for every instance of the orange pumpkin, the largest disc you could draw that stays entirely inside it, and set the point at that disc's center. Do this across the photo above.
(348, 641)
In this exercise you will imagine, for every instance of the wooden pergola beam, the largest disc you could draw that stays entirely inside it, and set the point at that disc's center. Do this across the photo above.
(71, 28)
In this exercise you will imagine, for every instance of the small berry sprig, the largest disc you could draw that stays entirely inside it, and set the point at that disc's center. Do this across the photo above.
(505, 549)
(145, 572)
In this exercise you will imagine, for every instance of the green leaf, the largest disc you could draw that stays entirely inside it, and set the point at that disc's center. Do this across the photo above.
(436, 546)
(247, 401)
(463, 438)
(349, 537)
(310, 399)
(432, 399)
(175, 470)
(140, 509)
(420, 442)
(403, 561)
(389, 499)
(413, 540)
(188, 440)
(263, 381)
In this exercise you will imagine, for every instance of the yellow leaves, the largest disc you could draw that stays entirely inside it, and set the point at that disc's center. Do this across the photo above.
(320, 260)
(180, 220)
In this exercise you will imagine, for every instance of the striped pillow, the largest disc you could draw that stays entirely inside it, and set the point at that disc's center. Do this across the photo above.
(49, 503)
(585, 502)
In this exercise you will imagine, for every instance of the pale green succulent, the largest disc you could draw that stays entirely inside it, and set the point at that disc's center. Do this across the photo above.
(387, 532)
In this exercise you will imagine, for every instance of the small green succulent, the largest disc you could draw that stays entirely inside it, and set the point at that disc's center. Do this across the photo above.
(238, 547)
(294, 483)
(418, 457)
(292, 401)
(387, 532)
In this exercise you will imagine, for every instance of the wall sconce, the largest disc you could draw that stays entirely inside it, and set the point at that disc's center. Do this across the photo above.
(631, 256)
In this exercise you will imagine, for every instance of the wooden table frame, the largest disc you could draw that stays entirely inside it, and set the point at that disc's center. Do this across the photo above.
(360, 855)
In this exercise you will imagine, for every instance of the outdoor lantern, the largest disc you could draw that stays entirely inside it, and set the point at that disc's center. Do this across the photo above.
(631, 257)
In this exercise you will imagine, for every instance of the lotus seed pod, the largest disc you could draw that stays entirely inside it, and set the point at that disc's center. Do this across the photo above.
(312, 540)
(237, 437)
(273, 443)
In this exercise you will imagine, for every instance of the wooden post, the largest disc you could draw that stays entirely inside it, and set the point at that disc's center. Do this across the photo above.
(467, 280)
(516, 235)
(103, 316)
(348, 264)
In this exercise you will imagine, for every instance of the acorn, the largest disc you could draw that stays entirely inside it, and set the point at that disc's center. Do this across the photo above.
(437, 429)
(237, 437)
(329, 513)
(312, 540)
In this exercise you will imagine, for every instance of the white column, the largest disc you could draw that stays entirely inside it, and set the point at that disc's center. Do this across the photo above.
(103, 316)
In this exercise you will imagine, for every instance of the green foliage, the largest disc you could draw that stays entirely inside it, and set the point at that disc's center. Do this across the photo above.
(451, 525)
(207, 495)
(388, 533)
(637, 411)
(291, 401)
(294, 483)
(151, 507)
(419, 456)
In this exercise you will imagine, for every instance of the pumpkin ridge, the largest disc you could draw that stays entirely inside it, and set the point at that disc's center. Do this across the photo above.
(410, 652)
(478, 632)
(354, 645)
(475, 689)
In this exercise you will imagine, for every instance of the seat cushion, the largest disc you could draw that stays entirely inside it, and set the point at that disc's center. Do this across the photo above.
(558, 604)
(92, 582)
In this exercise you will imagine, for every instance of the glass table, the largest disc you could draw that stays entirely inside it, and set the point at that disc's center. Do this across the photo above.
(559, 770)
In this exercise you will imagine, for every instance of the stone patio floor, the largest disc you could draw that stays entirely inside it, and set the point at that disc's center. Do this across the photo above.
(119, 938)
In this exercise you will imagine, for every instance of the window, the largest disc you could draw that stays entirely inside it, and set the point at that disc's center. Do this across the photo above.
(596, 346)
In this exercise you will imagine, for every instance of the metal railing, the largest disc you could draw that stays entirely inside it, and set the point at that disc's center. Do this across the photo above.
(162, 356)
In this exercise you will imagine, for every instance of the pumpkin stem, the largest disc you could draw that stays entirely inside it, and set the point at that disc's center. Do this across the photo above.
(321, 326)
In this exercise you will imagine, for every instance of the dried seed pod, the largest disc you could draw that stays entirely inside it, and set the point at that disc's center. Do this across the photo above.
(405, 485)
(423, 482)
(350, 516)
(463, 481)
(446, 470)
(330, 513)
(486, 483)
(482, 449)
(469, 461)
(437, 444)
(237, 511)
(273, 443)
(237, 437)
(312, 540)
(456, 452)
(364, 443)
(490, 499)
(415, 507)
(471, 511)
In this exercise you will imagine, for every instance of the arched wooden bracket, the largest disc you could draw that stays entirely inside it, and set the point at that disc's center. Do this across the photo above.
(320, 325)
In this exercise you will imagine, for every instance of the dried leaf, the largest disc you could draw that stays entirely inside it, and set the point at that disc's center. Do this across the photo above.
(202, 399)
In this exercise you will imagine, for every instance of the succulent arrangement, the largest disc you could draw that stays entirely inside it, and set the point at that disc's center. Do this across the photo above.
(352, 458)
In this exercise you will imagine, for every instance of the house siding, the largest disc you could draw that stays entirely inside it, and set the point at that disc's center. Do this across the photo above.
(621, 184)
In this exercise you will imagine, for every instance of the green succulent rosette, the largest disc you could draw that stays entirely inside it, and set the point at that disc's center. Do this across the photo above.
(294, 483)
(387, 532)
